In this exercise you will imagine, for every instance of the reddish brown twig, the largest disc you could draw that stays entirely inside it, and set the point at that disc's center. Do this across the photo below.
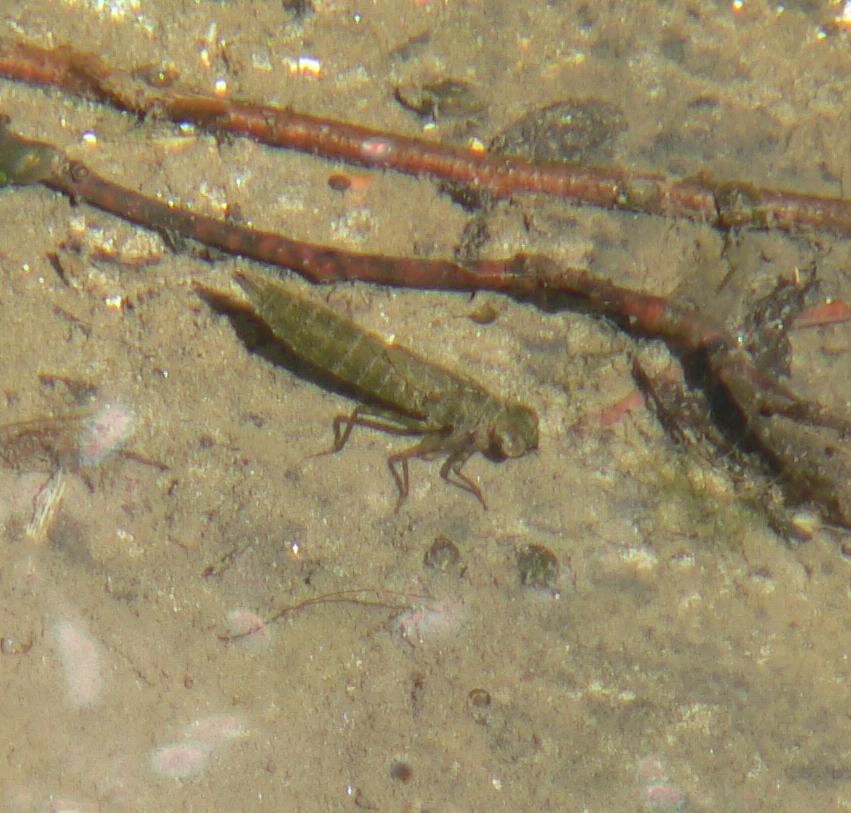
(518, 275)
(24, 161)
(828, 313)
(724, 205)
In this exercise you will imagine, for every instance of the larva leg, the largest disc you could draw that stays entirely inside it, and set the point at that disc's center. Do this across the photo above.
(451, 472)
(374, 418)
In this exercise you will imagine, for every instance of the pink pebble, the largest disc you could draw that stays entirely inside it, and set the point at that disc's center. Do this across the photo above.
(651, 769)
(180, 760)
(436, 621)
(106, 431)
(663, 796)
(81, 663)
(217, 729)
(249, 630)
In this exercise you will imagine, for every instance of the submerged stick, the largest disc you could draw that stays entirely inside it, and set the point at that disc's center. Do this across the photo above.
(518, 275)
(724, 205)
(384, 600)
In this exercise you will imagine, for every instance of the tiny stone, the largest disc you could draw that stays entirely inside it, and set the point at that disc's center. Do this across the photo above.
(249, 630)
(216, 729)
(443, 99)
(401, 770)
(339, 183)
(442, 556)
(538, 567)
(182, 760)
(480, 698)
(82, 663)
(663, 796)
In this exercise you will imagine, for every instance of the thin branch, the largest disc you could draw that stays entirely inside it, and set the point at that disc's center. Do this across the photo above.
(724, 205)
(383, 601)
(519, 275)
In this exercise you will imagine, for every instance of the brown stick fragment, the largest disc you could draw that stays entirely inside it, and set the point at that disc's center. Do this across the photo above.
(724, 205)
(519, 275)
(384, 600)
(319, 264)
(828, 313)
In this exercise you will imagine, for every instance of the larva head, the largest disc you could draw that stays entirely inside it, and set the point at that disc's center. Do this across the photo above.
(513, 433)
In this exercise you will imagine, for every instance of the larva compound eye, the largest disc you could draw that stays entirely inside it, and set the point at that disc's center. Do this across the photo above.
(514, 433)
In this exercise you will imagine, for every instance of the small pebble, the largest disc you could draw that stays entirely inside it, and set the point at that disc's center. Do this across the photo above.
(249, 630)
(537, 567)
(81, 663)
(181, 760)
(662, 796)
(658, 792)
(651, 769)
(105, 432)
(339, 182)
(443, 556)
(216, 729)
(424, 624)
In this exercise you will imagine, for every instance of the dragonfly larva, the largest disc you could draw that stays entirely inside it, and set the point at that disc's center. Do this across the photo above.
(403, 393)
